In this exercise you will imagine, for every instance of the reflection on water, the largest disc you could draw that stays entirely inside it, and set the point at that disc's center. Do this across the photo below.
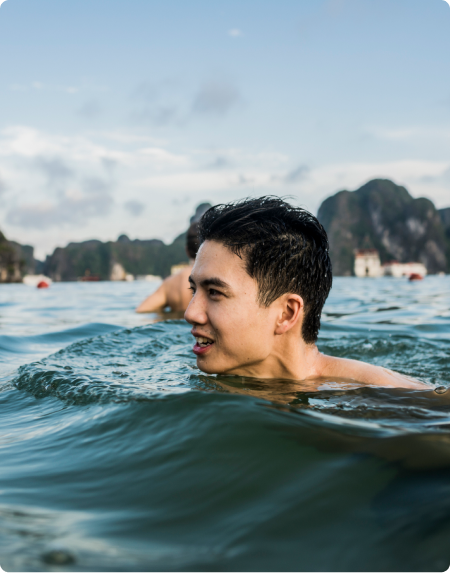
(118, 454)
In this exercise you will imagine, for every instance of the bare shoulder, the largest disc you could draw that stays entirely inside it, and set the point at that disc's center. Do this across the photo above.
(177, 290)
(367, 373)
(179, 278)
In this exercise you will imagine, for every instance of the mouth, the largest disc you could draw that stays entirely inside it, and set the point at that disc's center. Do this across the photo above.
(203, 345)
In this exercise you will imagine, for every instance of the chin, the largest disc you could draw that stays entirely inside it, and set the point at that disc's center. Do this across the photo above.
(210, 368)
(207, 368)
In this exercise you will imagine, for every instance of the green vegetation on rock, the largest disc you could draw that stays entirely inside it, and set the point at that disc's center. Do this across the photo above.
(149, 257)
(11, 264)
(384, 216)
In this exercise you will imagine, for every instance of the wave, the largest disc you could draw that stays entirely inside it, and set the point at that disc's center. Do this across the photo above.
(120, 455)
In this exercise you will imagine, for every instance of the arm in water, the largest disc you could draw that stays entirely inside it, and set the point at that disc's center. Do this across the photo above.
(173, 292)
(155, 301)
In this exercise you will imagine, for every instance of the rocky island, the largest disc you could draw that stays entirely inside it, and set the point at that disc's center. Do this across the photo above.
(384, 216)
(380, 215)
(16, 261)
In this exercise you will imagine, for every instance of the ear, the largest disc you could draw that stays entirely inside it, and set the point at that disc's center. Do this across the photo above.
(291, 313)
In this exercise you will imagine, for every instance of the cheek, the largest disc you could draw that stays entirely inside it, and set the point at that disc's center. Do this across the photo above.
(243, 329)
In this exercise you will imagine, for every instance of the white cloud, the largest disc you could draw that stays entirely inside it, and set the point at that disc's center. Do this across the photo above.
(135, 208)
(160, 157)
(74, 207)
(3, 186)
(40, 86)
(216, 97)
(58, 189)
(406, 133)
(91, 109)
(327, 179)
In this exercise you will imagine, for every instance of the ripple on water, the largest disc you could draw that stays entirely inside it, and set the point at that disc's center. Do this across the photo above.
(149, 362)
(118, 454)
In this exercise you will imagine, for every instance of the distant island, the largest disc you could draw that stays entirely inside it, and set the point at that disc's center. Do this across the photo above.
(96, 259)
(379, 215)
(384, 216)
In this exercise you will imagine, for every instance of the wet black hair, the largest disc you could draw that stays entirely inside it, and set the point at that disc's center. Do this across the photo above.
(284, 248)
(192, 240)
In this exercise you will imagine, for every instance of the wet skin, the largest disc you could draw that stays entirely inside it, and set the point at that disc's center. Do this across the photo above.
(236, 335)
(173, 293)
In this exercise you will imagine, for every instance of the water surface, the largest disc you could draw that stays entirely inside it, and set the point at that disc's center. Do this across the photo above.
(119, 455)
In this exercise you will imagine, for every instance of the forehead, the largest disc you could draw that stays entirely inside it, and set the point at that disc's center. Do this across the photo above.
(215, 260)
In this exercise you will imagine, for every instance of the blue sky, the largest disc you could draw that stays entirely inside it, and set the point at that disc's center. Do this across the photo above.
(120, 117)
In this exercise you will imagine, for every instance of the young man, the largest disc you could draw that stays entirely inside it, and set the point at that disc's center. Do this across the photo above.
(174, 290)
(259, 283)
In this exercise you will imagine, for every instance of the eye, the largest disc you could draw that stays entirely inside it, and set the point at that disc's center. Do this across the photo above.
(214, 292)
(192, 289)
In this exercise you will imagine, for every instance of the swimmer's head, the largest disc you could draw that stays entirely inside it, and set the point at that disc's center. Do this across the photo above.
(259, 282)
(192, 240)
(284, 248)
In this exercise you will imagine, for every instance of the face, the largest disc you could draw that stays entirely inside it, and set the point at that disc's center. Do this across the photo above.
(234, 334)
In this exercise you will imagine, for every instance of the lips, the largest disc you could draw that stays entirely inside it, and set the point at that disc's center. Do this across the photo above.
(202, 345)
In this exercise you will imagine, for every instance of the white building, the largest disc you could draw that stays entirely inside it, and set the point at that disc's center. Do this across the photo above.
(117, 273)
(367, 263)
(34, 280)
(398, 270)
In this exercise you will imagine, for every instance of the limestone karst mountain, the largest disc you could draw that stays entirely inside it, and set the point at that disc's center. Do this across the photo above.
(384, 216)
(137, 257)
(10, 262)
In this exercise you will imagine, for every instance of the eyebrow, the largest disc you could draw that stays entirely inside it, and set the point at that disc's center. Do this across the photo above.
(212, 281)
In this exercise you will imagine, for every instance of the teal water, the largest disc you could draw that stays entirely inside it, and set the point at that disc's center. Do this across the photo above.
(117, 454)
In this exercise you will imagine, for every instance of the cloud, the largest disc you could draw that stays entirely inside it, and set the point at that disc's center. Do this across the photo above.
(235, 32)
(216, 98)
(146, 91)
(158, 104)
(161, 158)
(66, 188)
(91, 109)
(1, 2)
(155, 106)
(244, 180)
(219, 163)
(158, 115)
(73, 207)
(407, 133)
(436, 178)
(39, 86)
(296, 175)
(135, 208)
(3, 186)
(55, 170)
(292, 177)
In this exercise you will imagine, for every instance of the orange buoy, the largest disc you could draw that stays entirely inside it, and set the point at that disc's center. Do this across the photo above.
(43, 284)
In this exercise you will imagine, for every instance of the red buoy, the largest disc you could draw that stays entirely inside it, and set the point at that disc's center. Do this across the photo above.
(43, 284)
(415, 277)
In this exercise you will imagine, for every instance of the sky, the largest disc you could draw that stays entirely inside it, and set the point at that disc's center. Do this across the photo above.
(122, 116)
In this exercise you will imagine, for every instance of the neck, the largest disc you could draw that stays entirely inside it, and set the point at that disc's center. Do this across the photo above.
(291, 359)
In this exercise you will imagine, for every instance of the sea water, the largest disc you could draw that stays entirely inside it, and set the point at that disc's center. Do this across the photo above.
(118, 454)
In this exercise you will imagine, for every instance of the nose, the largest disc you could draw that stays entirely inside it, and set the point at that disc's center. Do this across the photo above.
(195, 313)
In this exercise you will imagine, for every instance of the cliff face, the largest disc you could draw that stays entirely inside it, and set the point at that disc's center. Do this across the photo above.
(25, 255)
(149, 257)
(137, 257)
(9, 262)
(444, 216)
(384, 216)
